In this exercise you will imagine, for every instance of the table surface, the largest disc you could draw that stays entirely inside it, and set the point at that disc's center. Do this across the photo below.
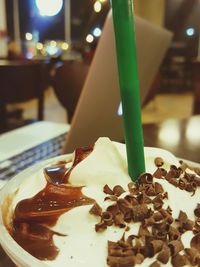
(180, 137)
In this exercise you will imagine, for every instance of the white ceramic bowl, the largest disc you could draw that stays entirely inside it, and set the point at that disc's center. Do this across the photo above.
(18, 255)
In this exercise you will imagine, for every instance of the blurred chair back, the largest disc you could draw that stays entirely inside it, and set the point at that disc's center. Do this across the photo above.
(21, 81)
(68, 82)
(97, 110)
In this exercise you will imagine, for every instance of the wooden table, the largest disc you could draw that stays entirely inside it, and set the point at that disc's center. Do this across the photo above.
(181, 137)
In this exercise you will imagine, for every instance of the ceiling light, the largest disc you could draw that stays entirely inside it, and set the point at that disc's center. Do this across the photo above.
(29, 36)
(97, 32)
(190, 31)
(64, 46)
(90, 38)
(50, 7)
(97, 6)
(39, 46)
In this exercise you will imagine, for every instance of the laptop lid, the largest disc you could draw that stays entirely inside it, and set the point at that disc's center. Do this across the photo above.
(96, 113)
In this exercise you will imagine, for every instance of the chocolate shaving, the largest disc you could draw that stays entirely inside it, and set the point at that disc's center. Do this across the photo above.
(127, 261)
(107, 190)
(118, 190)
(124, 205)
(158, 188)
(195, 242)
(196, 229)
(150, 191)
(178, 260)
(143, 199)
(140, 212)
(155, 264)
(182, 184)
(173, 233)
(111, 197)
(114, 209)
(158, 202)
(119, 220)
(145, 178)
(143, 231)
(175, 247)
(197, 181)
(197, 211)
(156, 246)
(158, 232)
(164, 255)
(132, 188)
(171, 174)
(158, 174)
(100, 227)
(158, 161)
(193, 255)
(107, 217)
(96, 210)
(182, 218)
(139, 258)
(132, 200)
(191, 187)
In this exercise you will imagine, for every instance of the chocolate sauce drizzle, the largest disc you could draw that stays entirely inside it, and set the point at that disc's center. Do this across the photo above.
(34, 216)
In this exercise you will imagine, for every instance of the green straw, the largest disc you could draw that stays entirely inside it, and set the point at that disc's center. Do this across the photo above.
(129, 85)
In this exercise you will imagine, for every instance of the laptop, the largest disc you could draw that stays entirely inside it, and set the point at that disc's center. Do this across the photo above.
(97, 112)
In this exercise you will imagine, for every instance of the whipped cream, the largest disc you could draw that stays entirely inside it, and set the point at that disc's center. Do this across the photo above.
(106, 164)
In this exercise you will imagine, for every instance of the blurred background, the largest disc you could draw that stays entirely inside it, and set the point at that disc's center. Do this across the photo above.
(51, 35)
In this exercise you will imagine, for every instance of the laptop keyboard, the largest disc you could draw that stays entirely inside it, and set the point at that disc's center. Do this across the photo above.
(19, 162)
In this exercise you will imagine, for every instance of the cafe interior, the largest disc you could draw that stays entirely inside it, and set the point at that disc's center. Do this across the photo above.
(59, 86)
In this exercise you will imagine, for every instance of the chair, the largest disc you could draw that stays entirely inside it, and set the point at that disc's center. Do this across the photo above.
(20, 81)
(68, 82)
